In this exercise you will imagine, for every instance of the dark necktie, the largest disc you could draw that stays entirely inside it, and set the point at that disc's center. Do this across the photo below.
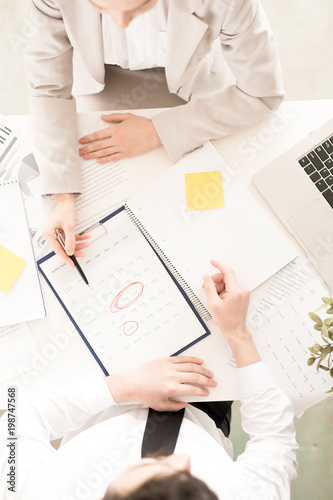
(161, 432)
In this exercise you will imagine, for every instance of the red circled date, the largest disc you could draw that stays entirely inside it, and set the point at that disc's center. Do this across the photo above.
(129, 330)
(116, 307)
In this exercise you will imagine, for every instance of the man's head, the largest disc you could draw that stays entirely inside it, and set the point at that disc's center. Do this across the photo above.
(162, 478)
(123, 11)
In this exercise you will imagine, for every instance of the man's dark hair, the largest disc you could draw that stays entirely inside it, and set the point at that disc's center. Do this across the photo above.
(178, 486)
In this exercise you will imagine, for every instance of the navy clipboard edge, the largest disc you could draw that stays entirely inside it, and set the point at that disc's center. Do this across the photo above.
(105, 219)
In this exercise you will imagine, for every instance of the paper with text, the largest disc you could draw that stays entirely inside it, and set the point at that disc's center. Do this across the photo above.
(283, 332)
(105, 188)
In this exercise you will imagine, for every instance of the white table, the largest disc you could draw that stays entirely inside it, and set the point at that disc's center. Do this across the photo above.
(61, 356)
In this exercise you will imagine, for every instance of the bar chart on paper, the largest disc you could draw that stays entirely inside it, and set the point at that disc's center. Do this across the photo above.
(9, 151)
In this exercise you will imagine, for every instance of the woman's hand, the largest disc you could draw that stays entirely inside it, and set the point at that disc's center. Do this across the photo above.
(130, 136)
(63, 218)
(154, 383)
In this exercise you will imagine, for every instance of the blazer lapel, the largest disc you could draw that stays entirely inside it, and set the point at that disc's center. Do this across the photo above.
(86, 34)
(184, 33)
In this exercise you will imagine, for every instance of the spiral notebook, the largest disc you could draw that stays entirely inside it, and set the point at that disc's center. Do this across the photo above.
(20, 293)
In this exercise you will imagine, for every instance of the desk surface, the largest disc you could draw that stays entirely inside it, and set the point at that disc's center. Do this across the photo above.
(60, 356)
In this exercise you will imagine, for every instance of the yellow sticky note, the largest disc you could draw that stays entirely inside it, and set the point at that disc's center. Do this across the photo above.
(204, 190)
(11, 266)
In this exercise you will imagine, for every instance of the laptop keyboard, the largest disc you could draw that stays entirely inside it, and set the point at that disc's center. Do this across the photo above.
(318, 164)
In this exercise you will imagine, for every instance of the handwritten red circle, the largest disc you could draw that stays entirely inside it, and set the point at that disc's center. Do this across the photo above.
(114, 308)
(124, 330)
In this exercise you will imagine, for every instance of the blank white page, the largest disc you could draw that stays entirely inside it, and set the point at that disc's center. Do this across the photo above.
(240, 234)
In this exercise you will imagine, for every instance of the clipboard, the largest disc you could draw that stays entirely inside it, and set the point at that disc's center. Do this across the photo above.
(99, 232)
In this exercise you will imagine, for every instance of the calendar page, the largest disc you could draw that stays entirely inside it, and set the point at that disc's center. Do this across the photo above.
(283, 332)
(133, 311)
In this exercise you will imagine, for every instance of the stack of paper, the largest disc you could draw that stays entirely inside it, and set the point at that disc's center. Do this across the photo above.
(20, 293)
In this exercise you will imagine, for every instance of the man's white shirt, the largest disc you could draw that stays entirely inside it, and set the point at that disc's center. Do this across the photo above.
(105, 438)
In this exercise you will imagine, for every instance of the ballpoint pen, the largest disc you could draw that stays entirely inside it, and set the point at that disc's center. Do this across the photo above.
(61, 240)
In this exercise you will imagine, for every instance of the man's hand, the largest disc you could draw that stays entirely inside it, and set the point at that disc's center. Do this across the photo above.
(155, 382)
(228, 301)
(133, 135)
(63, 218)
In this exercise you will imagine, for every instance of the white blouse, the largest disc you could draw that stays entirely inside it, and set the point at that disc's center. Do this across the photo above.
(142, 44)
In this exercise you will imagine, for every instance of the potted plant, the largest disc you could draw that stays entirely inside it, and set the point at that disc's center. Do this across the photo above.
(321, 354)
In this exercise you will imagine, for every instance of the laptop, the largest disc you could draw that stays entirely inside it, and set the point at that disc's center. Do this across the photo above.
(298, 186)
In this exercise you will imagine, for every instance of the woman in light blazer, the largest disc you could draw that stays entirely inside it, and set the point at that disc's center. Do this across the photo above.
(201, 36)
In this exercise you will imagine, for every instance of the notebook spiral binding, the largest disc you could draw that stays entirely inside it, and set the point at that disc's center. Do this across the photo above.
(204, 313)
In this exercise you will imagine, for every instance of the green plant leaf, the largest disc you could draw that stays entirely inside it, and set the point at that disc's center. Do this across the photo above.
(331, 390)
(315, 348)
(322, 307)
(325, 352)
(311, 361)
(323, 367)
(324, 331)
(315, 318)
(325, 327)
